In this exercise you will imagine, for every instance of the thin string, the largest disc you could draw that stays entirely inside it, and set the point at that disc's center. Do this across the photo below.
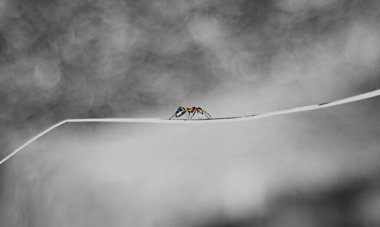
(202, 121)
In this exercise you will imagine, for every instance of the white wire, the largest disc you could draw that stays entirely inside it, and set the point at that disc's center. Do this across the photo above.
(213, 120)
(31, 141)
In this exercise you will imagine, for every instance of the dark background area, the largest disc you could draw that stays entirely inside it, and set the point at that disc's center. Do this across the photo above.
(90, 59)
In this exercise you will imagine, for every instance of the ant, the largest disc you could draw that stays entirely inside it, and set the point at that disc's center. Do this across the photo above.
(190, 110)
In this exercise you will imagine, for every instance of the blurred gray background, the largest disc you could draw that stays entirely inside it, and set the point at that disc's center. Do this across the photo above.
(83, 59)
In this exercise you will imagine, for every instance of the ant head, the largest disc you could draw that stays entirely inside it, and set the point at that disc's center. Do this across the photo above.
(180, 111)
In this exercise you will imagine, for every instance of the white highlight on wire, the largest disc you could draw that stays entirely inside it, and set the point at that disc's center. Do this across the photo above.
(213, 120)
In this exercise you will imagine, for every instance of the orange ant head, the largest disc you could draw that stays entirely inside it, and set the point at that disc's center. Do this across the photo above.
(180, 111)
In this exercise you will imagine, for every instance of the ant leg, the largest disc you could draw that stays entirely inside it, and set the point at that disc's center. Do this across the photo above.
(192, 115)
(207, 114)
(171, 117)
(188, 116)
